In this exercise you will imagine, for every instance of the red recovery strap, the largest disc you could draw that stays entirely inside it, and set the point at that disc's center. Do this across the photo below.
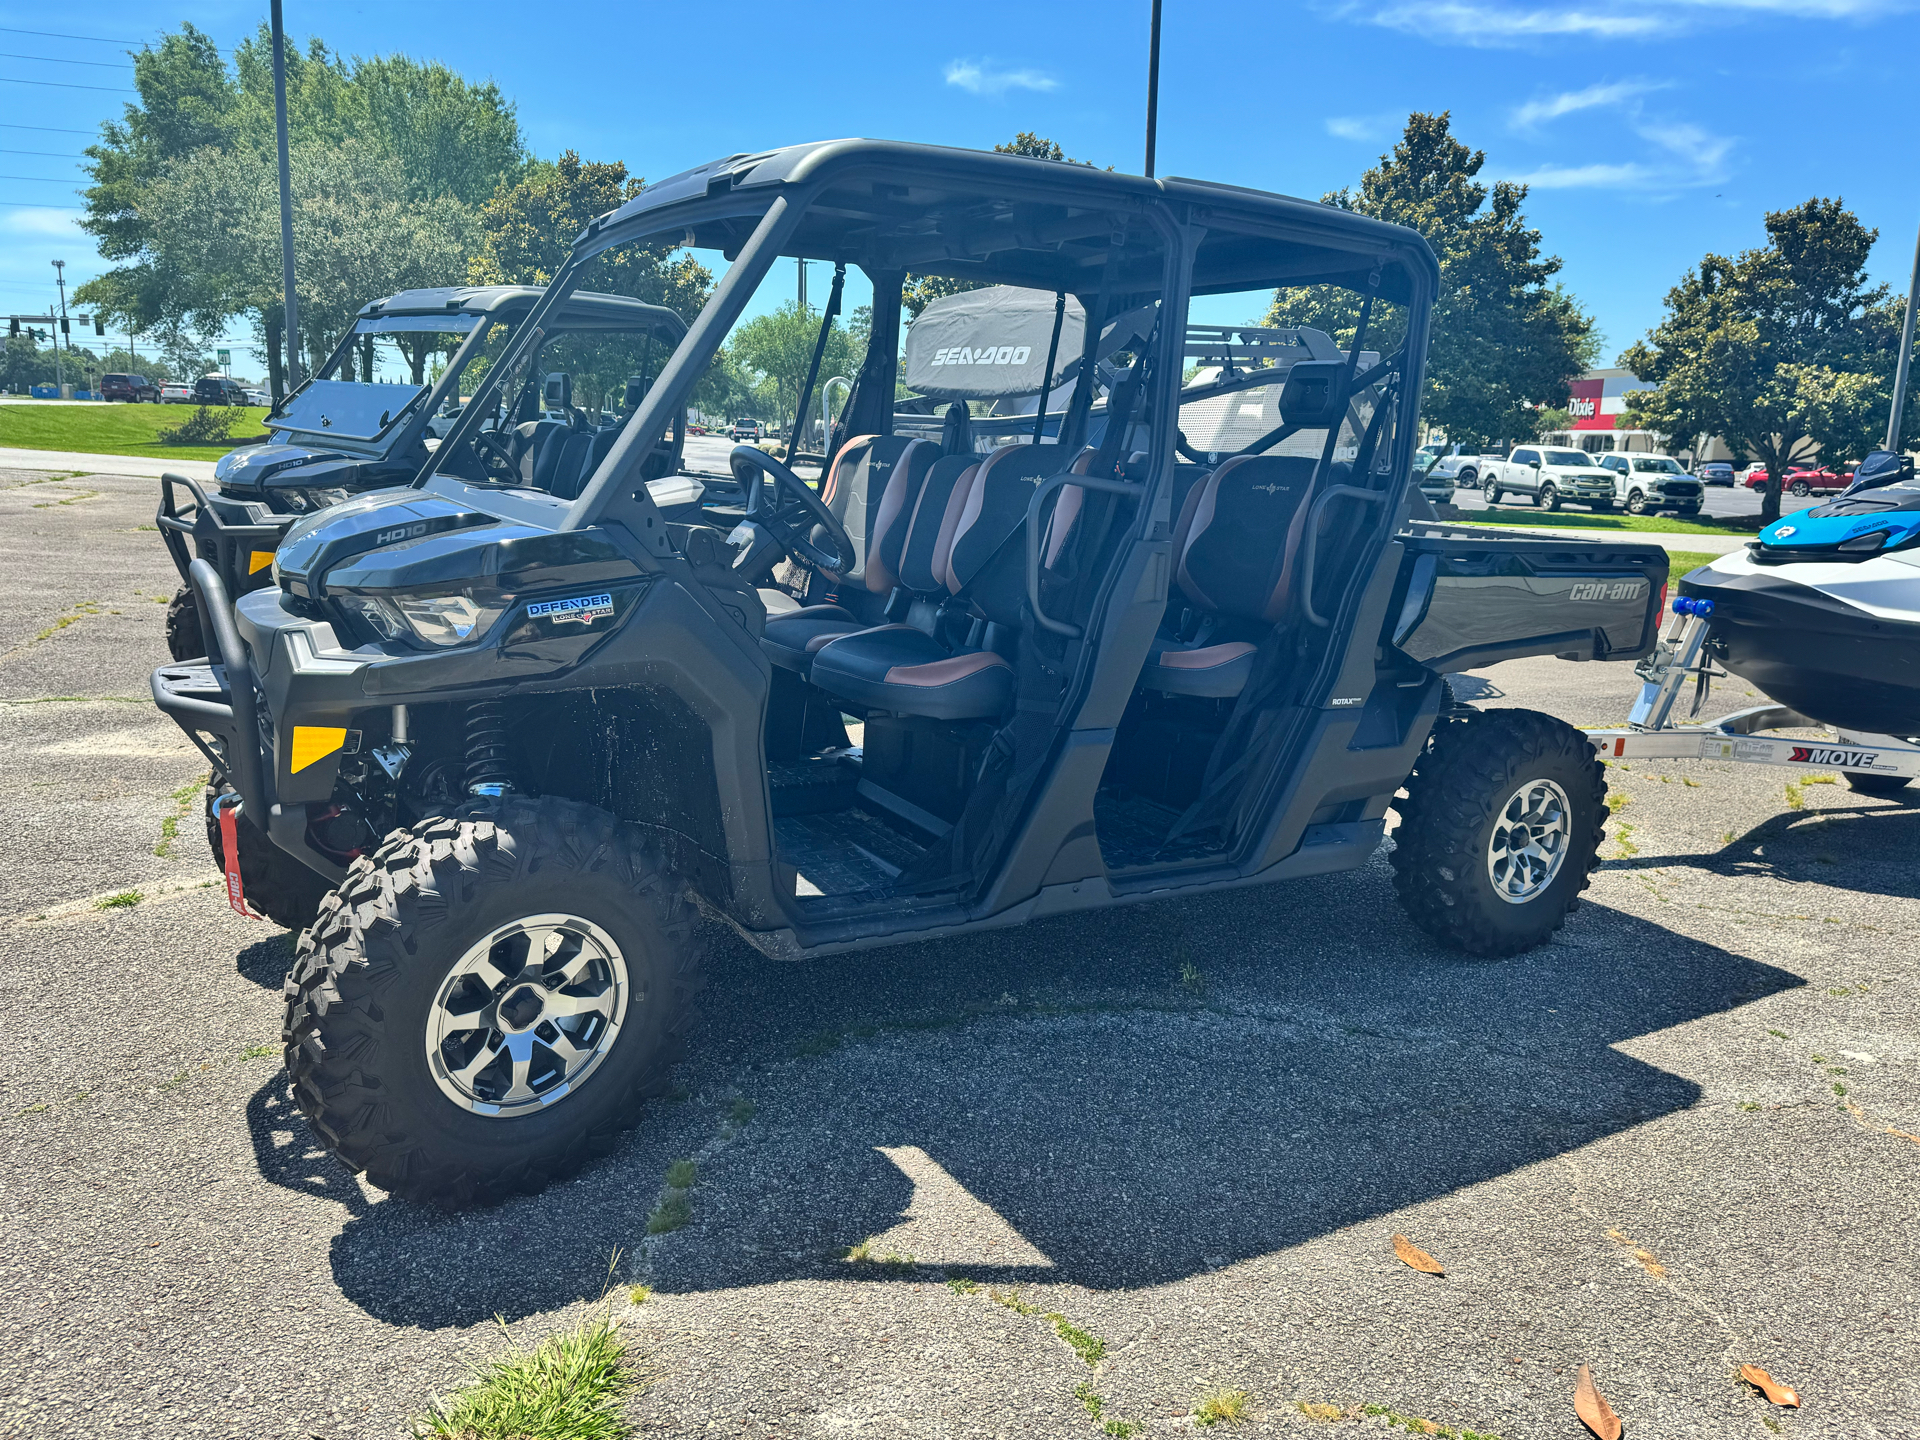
(227, 808)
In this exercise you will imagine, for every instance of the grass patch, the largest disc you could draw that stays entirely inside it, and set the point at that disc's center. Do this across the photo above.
(1089, 1398)
(113, 429)
(571, 1385)
(79, 612)
(1622, 843)
(740, 1111)
(1618, 801)
(1085, 1344)
(639, 1294)
(1420, 1426)
(864, 1254)
(1221, 1406)
(125, 900)
(1121, 1428)
(681, 1174)
(674, 1211)
(70, 500)
(1680, 562)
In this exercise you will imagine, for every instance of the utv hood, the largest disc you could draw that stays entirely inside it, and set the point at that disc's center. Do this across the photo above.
(249, 468)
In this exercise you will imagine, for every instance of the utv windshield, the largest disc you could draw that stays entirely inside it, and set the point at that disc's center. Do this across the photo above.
(375, 376)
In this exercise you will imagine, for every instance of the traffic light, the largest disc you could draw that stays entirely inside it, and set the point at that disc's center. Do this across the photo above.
(13, 327)
(65, 329)
(99, 325)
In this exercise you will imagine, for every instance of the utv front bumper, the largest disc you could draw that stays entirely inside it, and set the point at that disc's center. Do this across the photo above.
(221, 704)
(237, 537)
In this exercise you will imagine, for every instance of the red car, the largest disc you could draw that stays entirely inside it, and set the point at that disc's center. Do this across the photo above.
(1802, 480)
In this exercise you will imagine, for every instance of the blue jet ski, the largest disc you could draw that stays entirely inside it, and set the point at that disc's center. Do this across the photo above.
(1820, 612)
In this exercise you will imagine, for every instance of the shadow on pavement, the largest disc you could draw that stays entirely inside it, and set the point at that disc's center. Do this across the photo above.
(267, 962)
(1337, 1068)
(1868, 847)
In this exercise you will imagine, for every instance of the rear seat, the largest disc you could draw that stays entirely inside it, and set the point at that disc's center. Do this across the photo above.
(1236, 545)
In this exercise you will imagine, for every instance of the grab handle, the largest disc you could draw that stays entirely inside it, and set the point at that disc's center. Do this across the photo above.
(1041, 492)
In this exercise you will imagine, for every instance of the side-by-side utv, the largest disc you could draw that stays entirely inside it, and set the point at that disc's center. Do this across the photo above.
(343, 431)
(1165, 642)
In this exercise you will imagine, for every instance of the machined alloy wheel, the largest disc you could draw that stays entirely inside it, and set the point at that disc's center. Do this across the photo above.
(1637, 503)
(1800, 487)
(1499, 829)
(1528, 843)
(527, 1015)
(1550, 498)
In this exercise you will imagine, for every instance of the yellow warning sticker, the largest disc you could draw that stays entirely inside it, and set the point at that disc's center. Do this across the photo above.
(258, 561)
(312, 743)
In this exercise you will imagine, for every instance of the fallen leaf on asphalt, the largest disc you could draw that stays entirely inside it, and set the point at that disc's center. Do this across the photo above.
(1416, 1257)
(1769, 1387)
(1592, 1407)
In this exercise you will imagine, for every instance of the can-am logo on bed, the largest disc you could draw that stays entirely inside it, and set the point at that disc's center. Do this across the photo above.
(1608, 590)
(585, 609)
(984, 355)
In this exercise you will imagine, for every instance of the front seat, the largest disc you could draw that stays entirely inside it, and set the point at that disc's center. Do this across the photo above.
(871, 489)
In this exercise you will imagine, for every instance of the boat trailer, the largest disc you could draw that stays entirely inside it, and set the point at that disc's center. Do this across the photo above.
(1680, 654)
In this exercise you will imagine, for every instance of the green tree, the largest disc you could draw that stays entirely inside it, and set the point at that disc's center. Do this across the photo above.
(1783, 351)
(920, 289)
(442, 142)
(780, 346)
(528, 228)
(1505, 341)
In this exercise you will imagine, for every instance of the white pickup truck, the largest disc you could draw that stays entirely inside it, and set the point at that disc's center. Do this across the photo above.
(1547, 474)
(1648, 483)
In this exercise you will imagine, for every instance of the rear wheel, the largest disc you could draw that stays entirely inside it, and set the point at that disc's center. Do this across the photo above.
(277, 885)
(185, 640)
(1549, 498)
(1870, 784)
(1499, 830)
(485, 1002)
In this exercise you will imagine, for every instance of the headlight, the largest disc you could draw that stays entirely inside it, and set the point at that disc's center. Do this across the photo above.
(1873, 540)
(445, 620)
(376, 614)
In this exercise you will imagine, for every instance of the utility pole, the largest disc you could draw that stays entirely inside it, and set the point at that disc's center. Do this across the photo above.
(291, 304)
(60, 370)
(1153, 83)
(801, 267)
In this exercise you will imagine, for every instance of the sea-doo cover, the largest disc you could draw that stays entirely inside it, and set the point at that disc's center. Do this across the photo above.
(988, 343)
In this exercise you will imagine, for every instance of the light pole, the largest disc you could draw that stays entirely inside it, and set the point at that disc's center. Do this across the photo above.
(291, 303)
(1153, 83)
(1907, 344)
(60, 370)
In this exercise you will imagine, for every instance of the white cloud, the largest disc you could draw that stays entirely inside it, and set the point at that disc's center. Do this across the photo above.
(1493, 23)
(1695, 146)
(1553, 107)
(1629, 176)
(980, 77)
(1364, 128)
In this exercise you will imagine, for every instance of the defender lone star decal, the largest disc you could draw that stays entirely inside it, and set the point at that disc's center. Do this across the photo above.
(583, 608)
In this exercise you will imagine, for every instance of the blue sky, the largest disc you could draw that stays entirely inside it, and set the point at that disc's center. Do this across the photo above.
(1651, 131)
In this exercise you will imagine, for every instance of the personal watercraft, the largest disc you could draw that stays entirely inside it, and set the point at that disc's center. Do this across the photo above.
(1820, 611)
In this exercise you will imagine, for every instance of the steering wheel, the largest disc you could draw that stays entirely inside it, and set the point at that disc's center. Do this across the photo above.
(491, 439)
(783, 516)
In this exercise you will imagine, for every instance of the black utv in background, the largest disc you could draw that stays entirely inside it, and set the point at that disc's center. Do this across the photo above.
(344, 432)
(1169, 640)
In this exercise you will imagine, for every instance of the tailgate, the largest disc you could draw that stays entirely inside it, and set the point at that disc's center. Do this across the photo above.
(1470, 596)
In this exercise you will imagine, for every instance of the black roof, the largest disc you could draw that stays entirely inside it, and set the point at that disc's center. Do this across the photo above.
(507, 302)
(982, 215)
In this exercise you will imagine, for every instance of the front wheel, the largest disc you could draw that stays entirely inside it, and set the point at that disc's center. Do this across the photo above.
(484, 1003)
(185, 639)
(1549, 498)
(1637, 503)
(1800, 487)
(1499, 830)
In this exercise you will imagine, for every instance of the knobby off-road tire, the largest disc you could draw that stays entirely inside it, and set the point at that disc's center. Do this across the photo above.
(394, 947)
(277, 885)
(1464, 786)
(185, 640)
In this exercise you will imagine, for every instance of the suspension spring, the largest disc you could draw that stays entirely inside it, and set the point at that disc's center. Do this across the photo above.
(488, 772)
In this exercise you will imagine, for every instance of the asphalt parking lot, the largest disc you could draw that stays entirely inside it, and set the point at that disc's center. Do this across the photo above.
(1680, 1138)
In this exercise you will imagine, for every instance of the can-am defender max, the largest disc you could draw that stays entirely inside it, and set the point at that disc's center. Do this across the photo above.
(343, 431)
(526, 734)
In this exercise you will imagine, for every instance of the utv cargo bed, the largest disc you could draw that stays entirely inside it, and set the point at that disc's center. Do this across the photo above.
(1471, 596)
